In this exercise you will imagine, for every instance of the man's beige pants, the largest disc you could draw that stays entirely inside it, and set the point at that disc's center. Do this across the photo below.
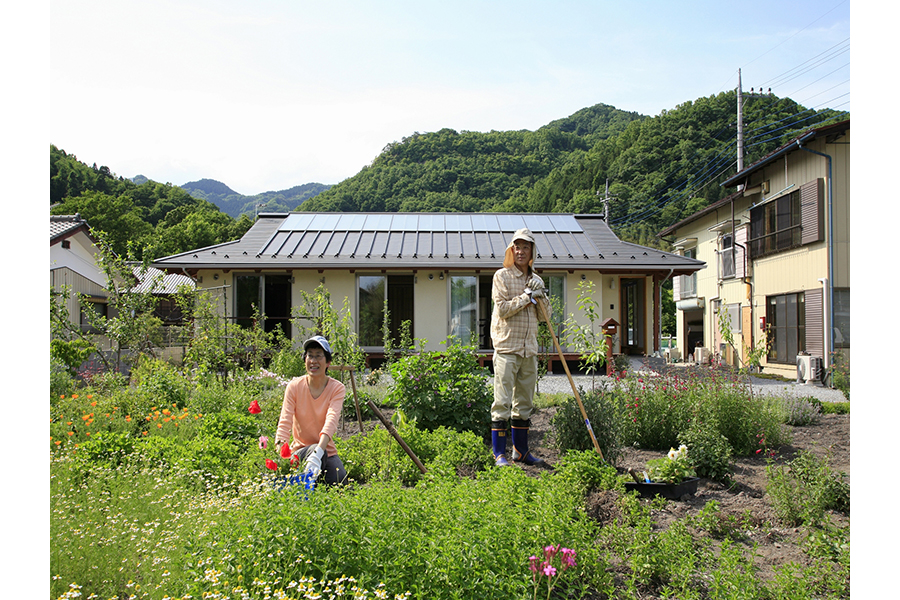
(514, 380)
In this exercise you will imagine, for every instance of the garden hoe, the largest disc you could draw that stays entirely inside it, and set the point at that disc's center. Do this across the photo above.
(543, 308)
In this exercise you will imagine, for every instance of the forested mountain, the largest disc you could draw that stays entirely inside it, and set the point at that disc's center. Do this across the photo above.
(235, 205)
(659, 169)
(156, 219)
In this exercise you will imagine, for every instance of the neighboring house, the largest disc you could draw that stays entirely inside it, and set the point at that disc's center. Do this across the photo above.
(72, 263)
(779, 248)
(165, 287)
(433, 269)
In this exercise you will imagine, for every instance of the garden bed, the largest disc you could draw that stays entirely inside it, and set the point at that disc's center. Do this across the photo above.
(744, 501)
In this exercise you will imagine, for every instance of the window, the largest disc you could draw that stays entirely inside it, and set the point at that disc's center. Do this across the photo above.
(775, 226)
(464, 308)
(726, 256)
(99, 308)
(841, 317)
(786, 325)
(270, 295)
(688, 283)
(374, 291)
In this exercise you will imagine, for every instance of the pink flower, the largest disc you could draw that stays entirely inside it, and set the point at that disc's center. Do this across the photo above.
(286, 451)
(550, 552)
(271, 464)
(263, 442)
(533, 563)
(549, 570)
(254, 408)
(568, 558)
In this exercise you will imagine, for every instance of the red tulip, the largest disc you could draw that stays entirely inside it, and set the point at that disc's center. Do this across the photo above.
(254, 408)
(285, 451)
(271, 464)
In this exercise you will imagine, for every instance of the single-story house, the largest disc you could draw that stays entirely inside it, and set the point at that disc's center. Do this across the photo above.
(433, 269)
(780, 245)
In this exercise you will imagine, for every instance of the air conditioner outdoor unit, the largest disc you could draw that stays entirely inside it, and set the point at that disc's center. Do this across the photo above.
(701, 355)
(809, 368)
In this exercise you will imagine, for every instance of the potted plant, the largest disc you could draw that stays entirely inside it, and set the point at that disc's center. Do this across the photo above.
(671, 477)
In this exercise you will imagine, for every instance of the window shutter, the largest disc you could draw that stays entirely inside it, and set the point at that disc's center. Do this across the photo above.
(676, 288)
(815, 326)
(812, 217)
(740, 251)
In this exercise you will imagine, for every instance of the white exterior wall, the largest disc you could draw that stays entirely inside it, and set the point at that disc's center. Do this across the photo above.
(432, 298)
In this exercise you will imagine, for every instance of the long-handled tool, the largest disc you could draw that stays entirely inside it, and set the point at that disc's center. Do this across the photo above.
(384, 420)
(546, 317)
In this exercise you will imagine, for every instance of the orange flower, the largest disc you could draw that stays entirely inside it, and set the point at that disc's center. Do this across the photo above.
(74, 395)
(159, 425)
(128, 418)
(94, 403)
(89, 396)
(57, 442)
(71, 433)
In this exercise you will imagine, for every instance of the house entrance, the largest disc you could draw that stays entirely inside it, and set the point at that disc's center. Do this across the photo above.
(632, 334)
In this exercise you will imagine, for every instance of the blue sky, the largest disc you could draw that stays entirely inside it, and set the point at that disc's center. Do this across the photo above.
(266, 95)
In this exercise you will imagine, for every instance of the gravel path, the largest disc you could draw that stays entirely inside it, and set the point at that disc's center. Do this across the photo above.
(553, 384)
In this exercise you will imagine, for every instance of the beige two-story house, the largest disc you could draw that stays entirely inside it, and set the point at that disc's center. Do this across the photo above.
(778, 256)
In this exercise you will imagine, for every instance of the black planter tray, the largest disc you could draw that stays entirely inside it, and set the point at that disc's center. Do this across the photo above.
(672, 491)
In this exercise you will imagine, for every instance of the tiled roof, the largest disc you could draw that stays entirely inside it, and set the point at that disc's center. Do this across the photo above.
(426, 241)
(62, 226)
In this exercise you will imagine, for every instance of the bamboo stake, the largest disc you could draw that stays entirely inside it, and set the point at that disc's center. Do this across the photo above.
(384, 420)
(543, 310)
(355, 395)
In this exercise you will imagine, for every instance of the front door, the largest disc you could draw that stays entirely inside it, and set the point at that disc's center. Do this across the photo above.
(632, 336)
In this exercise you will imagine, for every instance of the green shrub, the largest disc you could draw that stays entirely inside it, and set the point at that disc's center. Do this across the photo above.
(288, 362)
(61, 381)
(654, 410)
(105, 450)
(446, 389)
(377, 456)
(835, 408)
(802, 411)
(159, 380)
(709, 452)
(604, 414)
(804, 488)
(587, 471)
(230, 426)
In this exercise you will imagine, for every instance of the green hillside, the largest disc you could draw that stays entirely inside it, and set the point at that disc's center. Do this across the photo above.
(235, 204)
(155, 219)
(660, 169)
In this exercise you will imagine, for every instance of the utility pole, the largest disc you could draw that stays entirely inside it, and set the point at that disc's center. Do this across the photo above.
(606, 199)
(740, 125)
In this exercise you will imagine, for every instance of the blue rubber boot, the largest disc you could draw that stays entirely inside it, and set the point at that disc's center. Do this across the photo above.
(498, 441)
(520, 451)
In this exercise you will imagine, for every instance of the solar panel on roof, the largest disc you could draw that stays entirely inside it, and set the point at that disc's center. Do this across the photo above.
(510, 222)
(352, 222)
(378, 222)
(296, 222)
(485, 223)
(325, 222)
(405, 222)
(458, 222)
(564, 222)
(431, 222)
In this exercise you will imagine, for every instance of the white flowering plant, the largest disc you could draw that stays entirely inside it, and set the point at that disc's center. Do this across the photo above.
(674, 468)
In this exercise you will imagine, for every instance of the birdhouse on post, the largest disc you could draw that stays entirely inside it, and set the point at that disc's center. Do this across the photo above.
(610, 328)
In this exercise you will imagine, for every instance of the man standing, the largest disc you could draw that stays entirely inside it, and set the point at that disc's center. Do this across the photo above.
(514, 325)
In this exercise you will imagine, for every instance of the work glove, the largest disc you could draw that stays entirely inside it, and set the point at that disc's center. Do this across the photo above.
(534, 283)
(313, 456)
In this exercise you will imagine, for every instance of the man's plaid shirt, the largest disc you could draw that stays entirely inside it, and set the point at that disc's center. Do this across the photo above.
(514, 323)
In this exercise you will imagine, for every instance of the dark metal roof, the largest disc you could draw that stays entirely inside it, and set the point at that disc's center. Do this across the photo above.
(395, 241)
